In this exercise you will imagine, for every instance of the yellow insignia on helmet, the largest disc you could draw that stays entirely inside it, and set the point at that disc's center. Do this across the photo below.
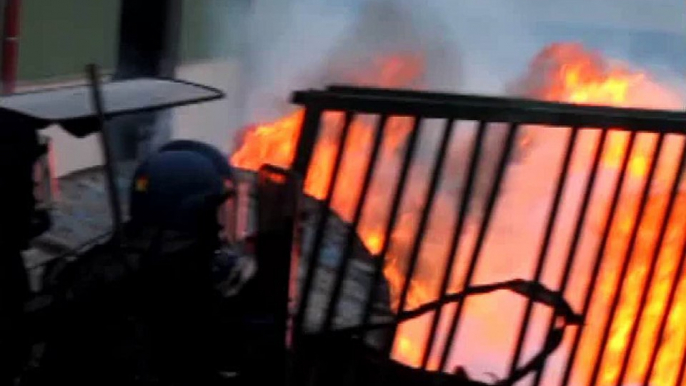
(142, 184)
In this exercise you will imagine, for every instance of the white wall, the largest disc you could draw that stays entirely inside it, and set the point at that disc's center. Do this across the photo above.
(70, 153)
(216, 122)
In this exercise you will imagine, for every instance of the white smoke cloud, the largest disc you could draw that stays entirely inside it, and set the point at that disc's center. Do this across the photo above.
(475, 46)
(490, 41)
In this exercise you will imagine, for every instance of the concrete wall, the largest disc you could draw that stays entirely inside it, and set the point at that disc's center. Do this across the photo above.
(215, 122)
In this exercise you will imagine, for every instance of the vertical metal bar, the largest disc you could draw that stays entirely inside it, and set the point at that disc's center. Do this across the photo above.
(352, 233)
(576, 238)
(462, 207)
(324, 211)
(423, 222)
(99, 109)
(308, 137)
(599, 255)
(682, 371)
(545, 245)
(674, 192)
(392, 218)
(313, 258)
(481, 237)
(673, 289)
(306, 141)
(627, 258)
(277, 202)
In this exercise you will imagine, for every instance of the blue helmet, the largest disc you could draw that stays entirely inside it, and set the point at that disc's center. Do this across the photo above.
(178, 190)
(213, 154)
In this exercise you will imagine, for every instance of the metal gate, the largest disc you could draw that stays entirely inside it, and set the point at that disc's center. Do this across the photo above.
(514, 114)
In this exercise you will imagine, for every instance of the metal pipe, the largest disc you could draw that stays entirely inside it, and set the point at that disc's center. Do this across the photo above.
(662, 234)
(679, 273)
(331, 309)
(392, 218)
(99, 110)
(545, 244)
(599, 257)
(645, 195)
(522, 111)
(423, 222)
(576, 238)
(462, 206)
(494, 193)
(324, 211)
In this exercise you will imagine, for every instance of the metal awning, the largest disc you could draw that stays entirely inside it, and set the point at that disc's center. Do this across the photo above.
(72, 107)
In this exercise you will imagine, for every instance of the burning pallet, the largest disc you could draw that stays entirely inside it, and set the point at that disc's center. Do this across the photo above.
(358, 278)
(356, 284)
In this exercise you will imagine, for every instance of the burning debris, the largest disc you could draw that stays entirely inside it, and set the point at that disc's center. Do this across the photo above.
(561, 72)
(358, 279)
(387, 48)
(568, 72)
(652, 268)
(353, 360)
(571, 73)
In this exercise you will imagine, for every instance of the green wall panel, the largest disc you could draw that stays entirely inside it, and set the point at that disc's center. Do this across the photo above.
(58, 37)
(212, 29)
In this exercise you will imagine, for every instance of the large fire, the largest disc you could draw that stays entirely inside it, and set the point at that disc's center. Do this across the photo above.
(578, 76)
(561, 72)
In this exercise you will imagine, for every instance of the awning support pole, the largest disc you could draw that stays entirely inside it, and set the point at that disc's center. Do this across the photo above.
(113, 191)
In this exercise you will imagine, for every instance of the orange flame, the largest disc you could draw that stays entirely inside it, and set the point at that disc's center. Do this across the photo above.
(561, 72)
(671, 348)
(569, 73)
(572, 74)
(272, 143)
(275, 143)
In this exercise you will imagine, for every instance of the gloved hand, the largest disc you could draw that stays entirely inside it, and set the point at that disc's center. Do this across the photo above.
(231, 270)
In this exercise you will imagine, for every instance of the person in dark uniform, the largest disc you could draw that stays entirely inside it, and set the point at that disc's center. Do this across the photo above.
(20, 221)
(146, 312)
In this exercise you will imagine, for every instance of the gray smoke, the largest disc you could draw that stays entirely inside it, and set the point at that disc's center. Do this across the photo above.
(469, 46)
(324, 43)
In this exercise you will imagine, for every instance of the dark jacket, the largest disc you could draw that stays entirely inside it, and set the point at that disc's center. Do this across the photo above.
(137, 315)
